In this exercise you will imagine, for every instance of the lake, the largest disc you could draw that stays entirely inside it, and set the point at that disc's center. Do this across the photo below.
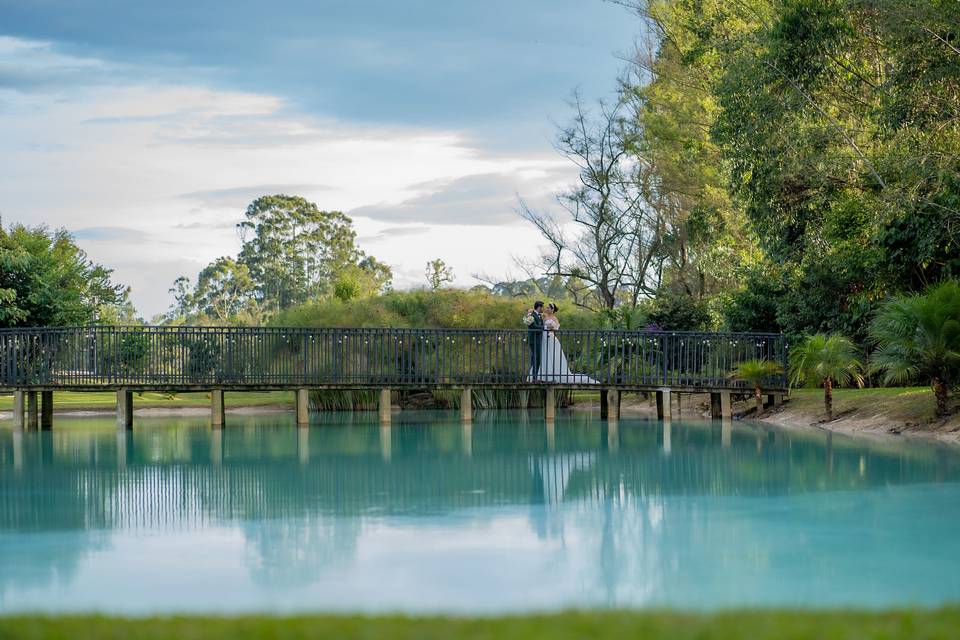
(505, 515)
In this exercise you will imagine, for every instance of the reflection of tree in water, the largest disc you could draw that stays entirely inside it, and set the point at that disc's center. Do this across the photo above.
(302, 514)
(296, 551)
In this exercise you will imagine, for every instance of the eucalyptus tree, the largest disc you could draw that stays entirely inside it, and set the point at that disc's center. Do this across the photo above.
(918, 338)
(826, 360)
(292, 249)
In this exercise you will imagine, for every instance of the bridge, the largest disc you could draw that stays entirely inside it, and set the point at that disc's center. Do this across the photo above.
(35, 362)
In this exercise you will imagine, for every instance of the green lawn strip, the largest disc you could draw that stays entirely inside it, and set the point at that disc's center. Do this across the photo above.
(67, 400)
(755, 625)
(907, 404)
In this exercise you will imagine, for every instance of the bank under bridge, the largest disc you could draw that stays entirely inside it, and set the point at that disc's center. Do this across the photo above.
(36, 362)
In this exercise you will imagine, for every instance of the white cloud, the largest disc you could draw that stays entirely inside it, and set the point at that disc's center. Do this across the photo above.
(175, 165)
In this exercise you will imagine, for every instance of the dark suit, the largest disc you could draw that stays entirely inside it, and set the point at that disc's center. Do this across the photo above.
(535, 341)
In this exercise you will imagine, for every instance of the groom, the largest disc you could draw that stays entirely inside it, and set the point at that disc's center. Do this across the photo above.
(535, 339)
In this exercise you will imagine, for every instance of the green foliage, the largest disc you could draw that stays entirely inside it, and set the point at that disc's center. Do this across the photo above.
(918, 338)
(438, 274)
(757, 371)
(823, 357)
(292, 252)
(446, 308)
(679, 312)
(47, 280)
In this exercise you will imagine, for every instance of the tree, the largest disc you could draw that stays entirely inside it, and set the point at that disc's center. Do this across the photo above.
(918, 337)
(368, 278)
(438, 274)
(224, 290)
(826, 360)
(756, 372)
(47, 280)
(293, 250)
(614, 254)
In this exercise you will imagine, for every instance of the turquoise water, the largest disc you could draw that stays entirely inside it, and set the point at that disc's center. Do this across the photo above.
(506, 515)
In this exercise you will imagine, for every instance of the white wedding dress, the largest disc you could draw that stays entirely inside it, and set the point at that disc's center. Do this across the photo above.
(553, 365)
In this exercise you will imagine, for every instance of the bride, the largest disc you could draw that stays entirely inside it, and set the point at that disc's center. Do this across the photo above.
(554, 367)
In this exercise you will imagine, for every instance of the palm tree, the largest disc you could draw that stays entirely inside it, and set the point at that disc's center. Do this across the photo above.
(826, 360)
(756, 372)
(918, 337)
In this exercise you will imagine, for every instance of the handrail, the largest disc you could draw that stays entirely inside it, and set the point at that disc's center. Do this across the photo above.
(181, 357)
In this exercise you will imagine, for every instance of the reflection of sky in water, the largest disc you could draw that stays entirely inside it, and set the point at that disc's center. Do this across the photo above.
(506, 515)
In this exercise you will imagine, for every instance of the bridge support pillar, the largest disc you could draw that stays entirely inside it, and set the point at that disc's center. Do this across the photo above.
(303, 406)
(774, 400)
(549, 404)
(124, 409)
(664, 408)
(33, 416)
(726, 406)
(217, 409)
(385, 407)
(613, 405)
(466, 405)
(46, 409)
(604, 405)
(18, 405)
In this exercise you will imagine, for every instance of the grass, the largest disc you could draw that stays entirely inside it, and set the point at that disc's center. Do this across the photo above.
(74, 400)
(900, 404)
(755, 625)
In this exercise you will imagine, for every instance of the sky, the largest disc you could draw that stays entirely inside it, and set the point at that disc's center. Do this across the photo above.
(145, 128)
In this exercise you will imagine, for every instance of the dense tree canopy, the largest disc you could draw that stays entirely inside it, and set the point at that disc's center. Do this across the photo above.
(47, 280)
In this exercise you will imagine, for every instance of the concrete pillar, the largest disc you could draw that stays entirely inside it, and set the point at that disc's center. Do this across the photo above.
(124, 409)
(715, 405)
(33, 415)
(777, 399)
(663, 405)
(667, 445)
(613, 405)
(19, 399)
(726, 406)
(385, 407)
(46, 410)
(303, 406)
(466, 405)
(550, 404)
(303, 443)
(217, 410)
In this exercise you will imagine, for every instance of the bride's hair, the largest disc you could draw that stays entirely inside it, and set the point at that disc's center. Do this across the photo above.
(553, 307)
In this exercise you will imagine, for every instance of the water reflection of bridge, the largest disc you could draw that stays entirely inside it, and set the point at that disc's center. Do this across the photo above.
(135, 480)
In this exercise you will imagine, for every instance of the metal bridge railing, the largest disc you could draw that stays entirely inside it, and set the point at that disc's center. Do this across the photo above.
(275, 357)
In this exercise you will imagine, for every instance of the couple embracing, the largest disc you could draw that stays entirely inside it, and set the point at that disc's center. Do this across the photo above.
(548, 363)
